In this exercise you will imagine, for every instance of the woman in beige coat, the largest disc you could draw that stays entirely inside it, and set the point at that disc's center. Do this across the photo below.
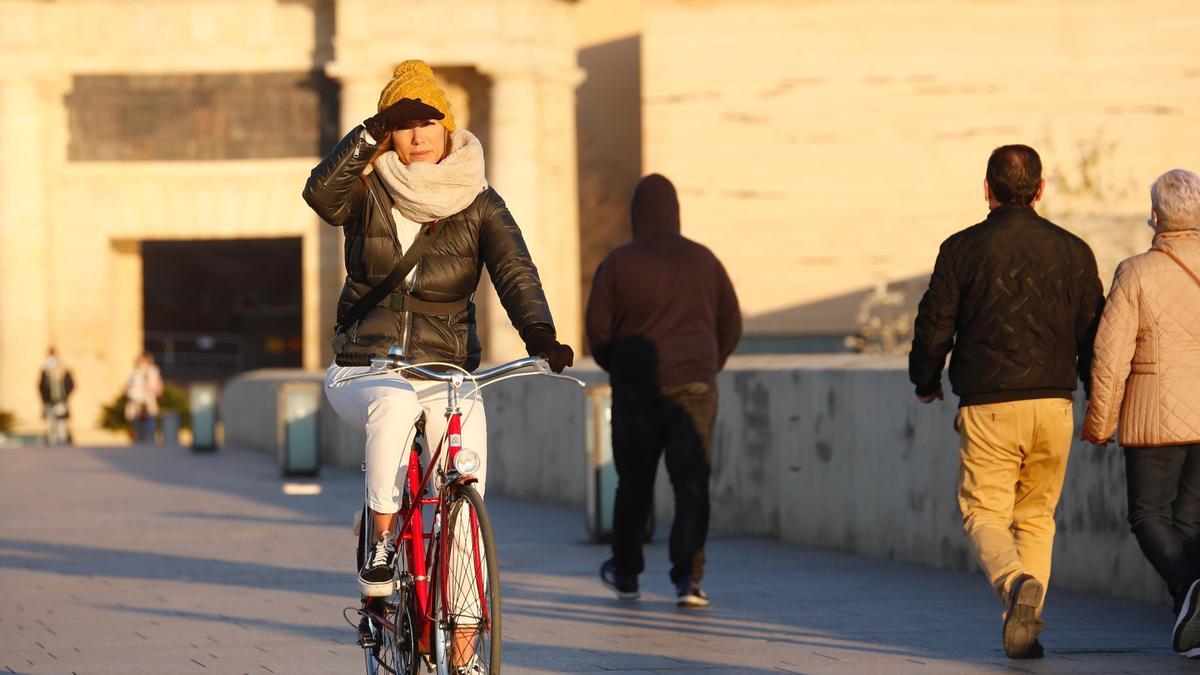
(1146, 375)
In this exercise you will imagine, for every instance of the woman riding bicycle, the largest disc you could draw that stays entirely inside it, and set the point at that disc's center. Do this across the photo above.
(409, 173)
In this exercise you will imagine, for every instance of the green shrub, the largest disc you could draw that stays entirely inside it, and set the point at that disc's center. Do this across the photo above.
(6, 422)
(112, 415)
(174, 398)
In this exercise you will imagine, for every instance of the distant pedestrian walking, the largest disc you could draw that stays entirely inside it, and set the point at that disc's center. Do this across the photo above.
(662, 319)
(1018, 299)
(142, 390)
(1145, 375)
(56, 385)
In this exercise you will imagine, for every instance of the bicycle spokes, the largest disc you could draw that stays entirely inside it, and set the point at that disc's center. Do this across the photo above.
(469, 595)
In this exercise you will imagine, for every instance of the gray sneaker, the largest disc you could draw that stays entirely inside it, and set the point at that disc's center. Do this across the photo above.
(689, 594)
(1185, 639)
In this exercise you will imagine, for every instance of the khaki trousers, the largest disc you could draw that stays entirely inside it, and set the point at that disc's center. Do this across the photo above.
(1014, 459)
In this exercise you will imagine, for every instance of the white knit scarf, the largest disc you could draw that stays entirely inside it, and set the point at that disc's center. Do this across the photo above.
(425, 192)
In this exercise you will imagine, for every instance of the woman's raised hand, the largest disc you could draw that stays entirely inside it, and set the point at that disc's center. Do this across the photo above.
(397, 115)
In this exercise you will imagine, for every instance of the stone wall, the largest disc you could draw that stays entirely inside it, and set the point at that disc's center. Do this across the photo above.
(828, 451)
(835, 144)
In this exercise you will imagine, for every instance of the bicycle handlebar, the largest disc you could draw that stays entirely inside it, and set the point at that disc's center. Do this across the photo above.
(397, 362)
(454, 377)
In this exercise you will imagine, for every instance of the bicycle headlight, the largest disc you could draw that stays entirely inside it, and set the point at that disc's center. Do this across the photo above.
(466, 462)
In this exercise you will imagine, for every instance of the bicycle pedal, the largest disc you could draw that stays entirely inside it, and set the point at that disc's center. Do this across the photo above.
(367, 640)
(366, 636)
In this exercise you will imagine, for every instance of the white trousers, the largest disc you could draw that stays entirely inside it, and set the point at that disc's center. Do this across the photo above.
(387, 407)
(57, 432)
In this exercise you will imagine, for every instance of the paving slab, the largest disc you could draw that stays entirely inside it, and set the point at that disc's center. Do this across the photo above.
(152, 559)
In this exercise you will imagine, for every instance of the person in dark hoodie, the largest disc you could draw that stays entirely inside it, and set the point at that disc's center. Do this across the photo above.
(662, 319)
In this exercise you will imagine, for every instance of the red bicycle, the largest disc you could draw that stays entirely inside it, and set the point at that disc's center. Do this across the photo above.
(445, 609)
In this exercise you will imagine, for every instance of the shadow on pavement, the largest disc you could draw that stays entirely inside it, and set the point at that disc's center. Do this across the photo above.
(259, 520)
(90, 561)
(663, 616)
(341, 635)
(242, 473)
(779, 603)
(558, 659)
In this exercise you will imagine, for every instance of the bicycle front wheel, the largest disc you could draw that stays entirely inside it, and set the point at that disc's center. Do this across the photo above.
(467, 599)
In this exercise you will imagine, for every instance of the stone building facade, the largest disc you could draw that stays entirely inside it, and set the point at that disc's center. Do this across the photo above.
(821, 149)
(132, 121)
(824, 149)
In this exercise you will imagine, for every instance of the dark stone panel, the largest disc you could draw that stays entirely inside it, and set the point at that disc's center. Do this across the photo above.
(212, 308)
(207, 116)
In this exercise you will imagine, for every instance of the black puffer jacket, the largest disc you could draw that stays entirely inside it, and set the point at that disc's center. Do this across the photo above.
(484, 233)
(1018, 298)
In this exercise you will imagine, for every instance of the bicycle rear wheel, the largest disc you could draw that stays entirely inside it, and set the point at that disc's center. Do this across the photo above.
(395, 652)
(391, 619)
(467, 600)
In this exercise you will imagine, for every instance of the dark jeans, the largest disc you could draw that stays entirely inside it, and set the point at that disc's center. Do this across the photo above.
(646, 422)
(1164, 510)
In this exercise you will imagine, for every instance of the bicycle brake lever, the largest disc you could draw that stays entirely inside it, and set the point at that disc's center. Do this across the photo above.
(568, 378)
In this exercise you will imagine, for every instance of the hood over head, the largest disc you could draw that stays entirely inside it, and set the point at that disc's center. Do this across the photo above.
(655, 207)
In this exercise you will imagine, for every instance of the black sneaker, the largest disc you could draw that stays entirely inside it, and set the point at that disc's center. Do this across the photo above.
(377, 578)
(1186, 636)
(689, 595)
(1021, 624)
(624, 587)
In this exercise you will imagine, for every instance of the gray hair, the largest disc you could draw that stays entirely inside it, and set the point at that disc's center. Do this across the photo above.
(1175, 197)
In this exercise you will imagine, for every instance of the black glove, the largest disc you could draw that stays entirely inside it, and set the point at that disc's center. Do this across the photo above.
(539, 341)
(397, 115)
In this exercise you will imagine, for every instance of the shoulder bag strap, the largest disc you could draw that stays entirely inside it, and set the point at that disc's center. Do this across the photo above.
(1179, 262)
(408, 261)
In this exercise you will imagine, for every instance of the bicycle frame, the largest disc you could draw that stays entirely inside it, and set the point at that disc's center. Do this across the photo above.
(430, 550)
(425, 544)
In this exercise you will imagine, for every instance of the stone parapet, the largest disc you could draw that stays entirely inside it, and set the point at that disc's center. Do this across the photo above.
(249, 408)
(829, 451)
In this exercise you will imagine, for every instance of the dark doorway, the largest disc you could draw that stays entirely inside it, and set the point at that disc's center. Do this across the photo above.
(214, 308)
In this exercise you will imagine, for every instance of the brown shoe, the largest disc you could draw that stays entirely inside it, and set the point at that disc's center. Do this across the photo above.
(1021, 624)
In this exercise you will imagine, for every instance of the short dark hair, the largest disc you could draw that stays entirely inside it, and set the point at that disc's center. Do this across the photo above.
(1014, 173)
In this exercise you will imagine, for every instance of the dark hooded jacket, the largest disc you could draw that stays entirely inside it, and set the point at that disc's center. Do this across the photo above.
(482, 234)
(662, 309)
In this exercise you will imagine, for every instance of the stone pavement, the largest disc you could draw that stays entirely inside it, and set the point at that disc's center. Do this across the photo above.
(154, 560)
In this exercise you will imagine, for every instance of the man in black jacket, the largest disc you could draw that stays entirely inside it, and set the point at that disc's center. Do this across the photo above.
(1018, 299)
(662, 319)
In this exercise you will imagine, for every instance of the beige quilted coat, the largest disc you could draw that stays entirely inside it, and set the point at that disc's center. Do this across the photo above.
(1146, 368)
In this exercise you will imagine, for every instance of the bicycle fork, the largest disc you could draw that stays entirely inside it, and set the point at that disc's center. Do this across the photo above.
(444, 549)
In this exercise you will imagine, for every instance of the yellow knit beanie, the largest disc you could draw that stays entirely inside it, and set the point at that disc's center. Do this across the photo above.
(414, 79)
